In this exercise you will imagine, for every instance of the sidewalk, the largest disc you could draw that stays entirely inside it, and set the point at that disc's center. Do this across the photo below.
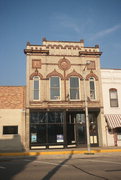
(63, 151)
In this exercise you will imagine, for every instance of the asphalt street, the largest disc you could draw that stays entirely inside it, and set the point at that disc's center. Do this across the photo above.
(55, 167)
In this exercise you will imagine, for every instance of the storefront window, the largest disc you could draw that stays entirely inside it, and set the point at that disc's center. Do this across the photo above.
(46, 127)
(55, 117)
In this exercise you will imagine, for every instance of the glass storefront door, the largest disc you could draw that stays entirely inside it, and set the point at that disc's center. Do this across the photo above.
(76, 128)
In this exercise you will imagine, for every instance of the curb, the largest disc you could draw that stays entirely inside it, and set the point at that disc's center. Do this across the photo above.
(59, 152)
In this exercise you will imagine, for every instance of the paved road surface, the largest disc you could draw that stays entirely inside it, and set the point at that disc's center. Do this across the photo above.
(68, 167)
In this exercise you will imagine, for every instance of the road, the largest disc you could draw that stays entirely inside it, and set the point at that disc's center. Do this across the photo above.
(68, 167)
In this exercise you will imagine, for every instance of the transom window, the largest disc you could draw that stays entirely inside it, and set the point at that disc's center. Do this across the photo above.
(74, 88)
(92, 88)
(36, 88)
(55, 88)
(113, 97)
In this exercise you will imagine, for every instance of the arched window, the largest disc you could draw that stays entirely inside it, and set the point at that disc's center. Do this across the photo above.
(74, 88)
(92, 88)
(113, 97)
(54, 88)
(36, 88)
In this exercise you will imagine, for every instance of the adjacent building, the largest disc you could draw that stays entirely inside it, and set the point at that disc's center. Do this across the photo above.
(111, 88)
(12, 118)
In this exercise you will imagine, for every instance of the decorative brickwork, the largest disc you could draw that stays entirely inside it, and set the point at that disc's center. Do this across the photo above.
(36, 63)
(36, 73)
(54, 73)
(64, 64)
(74, 73)
(12, 97)
(91, 74)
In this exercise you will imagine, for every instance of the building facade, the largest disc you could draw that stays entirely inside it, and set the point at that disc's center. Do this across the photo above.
(61, 77)
(12, 118)
(111, 88)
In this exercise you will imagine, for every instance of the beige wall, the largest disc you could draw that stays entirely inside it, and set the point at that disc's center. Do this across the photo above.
(50, 62)
(12, 117)
(12, 113)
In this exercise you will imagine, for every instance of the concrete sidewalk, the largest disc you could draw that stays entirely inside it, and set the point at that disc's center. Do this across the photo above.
(70, 151)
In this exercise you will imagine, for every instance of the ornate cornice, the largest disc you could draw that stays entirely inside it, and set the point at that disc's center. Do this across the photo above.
(36, 51)
(81, 53)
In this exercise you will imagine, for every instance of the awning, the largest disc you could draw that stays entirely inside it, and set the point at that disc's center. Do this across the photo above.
(113, 120)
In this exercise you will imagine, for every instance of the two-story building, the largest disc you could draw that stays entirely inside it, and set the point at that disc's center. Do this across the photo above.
(60, 77)
(111, 88)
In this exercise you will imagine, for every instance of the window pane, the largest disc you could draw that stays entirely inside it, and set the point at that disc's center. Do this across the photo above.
(36, 84)
(55, 88)
(55, 117)
(74, 88)
(36, 94)
(38, 134)
(36, 88)
(55, 93)
(74, 82)
(54, 82)
(54, 131)
(113, 94)
(38, 117)
(114, 102)
(74, 94)
(10, 129)
(92, 88)
(113, 98)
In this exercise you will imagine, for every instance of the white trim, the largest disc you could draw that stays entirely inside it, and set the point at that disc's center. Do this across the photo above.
(38, 147)
(59, 146)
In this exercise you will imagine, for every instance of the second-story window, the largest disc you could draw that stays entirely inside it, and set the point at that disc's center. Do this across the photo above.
(92, 88)
(74, 88)
(113, 97)
(36, 88)
(54, 88)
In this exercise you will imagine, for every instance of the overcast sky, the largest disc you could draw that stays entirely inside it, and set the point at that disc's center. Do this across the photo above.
(95, 21)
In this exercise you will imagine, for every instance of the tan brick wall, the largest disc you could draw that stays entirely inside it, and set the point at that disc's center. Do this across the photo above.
(12, 97)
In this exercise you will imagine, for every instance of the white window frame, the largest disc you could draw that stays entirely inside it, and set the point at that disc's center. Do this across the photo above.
(58, 99)
(34, 89)
(93, 99)
(111, 99)
(79, 89)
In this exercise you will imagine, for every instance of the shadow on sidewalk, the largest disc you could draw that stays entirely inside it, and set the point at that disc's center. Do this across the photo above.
(10, 166)
(54, 170)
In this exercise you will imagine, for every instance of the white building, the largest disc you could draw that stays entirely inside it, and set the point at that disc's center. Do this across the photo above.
(111, 90)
